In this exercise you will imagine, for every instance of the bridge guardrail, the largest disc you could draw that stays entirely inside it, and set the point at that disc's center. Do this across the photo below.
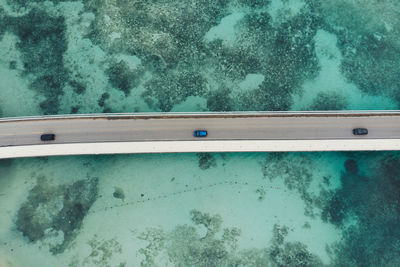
(211, 114)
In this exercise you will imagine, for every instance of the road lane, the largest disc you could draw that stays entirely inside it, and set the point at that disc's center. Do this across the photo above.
(174, 128)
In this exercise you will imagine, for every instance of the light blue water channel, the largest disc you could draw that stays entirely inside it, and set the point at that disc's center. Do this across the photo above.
(227, 209)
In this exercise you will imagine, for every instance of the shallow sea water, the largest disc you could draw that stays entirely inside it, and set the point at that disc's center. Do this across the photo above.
(206, 209)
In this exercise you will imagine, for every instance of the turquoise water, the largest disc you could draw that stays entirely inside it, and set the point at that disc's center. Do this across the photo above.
(226, 209)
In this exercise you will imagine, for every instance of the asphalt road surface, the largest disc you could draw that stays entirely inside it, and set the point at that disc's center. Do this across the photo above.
(180, 128)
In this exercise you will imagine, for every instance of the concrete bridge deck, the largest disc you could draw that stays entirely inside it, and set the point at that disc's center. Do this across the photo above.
(173, 132)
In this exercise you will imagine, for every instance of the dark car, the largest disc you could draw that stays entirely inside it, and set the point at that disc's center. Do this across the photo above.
(47, 137)
(200, 133)
(360, 131)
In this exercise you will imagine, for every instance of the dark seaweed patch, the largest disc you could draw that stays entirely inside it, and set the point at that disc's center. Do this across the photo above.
(78, 87)
(220, 100)
(351, 166)
(75, 109)
(56, 208)
(206, 161)
(103, 99)
(122, 78)
(2, 22)
(329, 101)
(12, 65)
(107, 110)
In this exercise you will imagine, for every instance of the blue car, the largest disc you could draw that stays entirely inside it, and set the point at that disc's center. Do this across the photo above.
(200, 133)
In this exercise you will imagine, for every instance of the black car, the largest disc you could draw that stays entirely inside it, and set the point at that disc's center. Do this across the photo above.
(47, 137)
(360, 131)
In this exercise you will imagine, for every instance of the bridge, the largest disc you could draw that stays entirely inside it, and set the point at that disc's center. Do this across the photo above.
(173, 132)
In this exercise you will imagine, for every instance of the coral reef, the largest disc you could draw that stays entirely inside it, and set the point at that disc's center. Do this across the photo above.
(168, 37)
(186, 246)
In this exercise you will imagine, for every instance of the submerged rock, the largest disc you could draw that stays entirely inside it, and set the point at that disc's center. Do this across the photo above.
(119, 193)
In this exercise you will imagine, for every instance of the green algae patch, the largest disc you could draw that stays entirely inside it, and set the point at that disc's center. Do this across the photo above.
(54, 214)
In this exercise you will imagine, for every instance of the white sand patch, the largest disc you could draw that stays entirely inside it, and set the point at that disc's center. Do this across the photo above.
(251, 82)
(331, 80)
(115, 35)
(225, 30)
